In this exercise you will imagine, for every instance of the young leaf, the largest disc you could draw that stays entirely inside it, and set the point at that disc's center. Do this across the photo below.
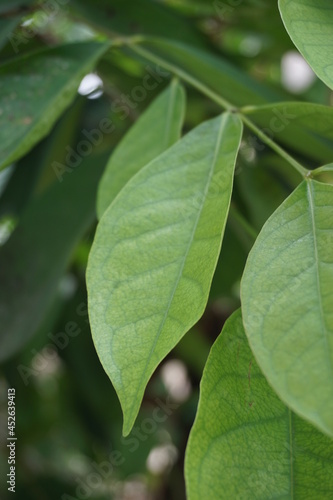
(245, 443)
(154, 255)
(303, 126)
(309, 24)
(36, 89)
(287, 298)
(156, 129)
(35, 257)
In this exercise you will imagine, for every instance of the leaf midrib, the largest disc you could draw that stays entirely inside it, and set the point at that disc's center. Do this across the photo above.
(316, 253)
(160, 329)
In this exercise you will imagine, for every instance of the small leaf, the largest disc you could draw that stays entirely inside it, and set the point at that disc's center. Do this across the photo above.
(245, 443)
(154, 255)
(156, 129)
(287, 299)
(36, 89)
(303, 126)
(310, 24)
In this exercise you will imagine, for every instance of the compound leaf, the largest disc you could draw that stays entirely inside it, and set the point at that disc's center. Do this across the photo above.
(154, 255)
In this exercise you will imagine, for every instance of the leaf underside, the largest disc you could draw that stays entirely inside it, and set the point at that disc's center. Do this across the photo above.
(154, 255)
(245, 443)
(287, 298)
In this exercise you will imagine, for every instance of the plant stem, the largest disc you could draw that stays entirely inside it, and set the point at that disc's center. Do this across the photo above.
(273, 145)
(218, 99)
(183, 75)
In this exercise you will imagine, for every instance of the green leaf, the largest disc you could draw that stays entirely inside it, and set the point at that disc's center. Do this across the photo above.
(245, 442)
(303, 126)
(7, 26)
(156, 129)
(36, 89)
(154, 255)
(213, 72)
(35, 257)
(309, 24)
(287, 297)
(140, 16)
(6, 7)
(324, 168)
(35, 170)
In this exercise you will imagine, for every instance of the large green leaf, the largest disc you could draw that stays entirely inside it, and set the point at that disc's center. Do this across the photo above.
(215, 73)
(143, 143)
(245, 443)
(287, 298)
(310, 24)
(35, 257)
(36, 89)
(303, 126)
(154, 255)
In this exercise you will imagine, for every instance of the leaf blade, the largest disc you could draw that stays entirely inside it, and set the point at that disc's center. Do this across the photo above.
(139, 147)
(145, 291)
(30, 111)
(286, 296)
(309, 24)
(244, 441)
(305, 127)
